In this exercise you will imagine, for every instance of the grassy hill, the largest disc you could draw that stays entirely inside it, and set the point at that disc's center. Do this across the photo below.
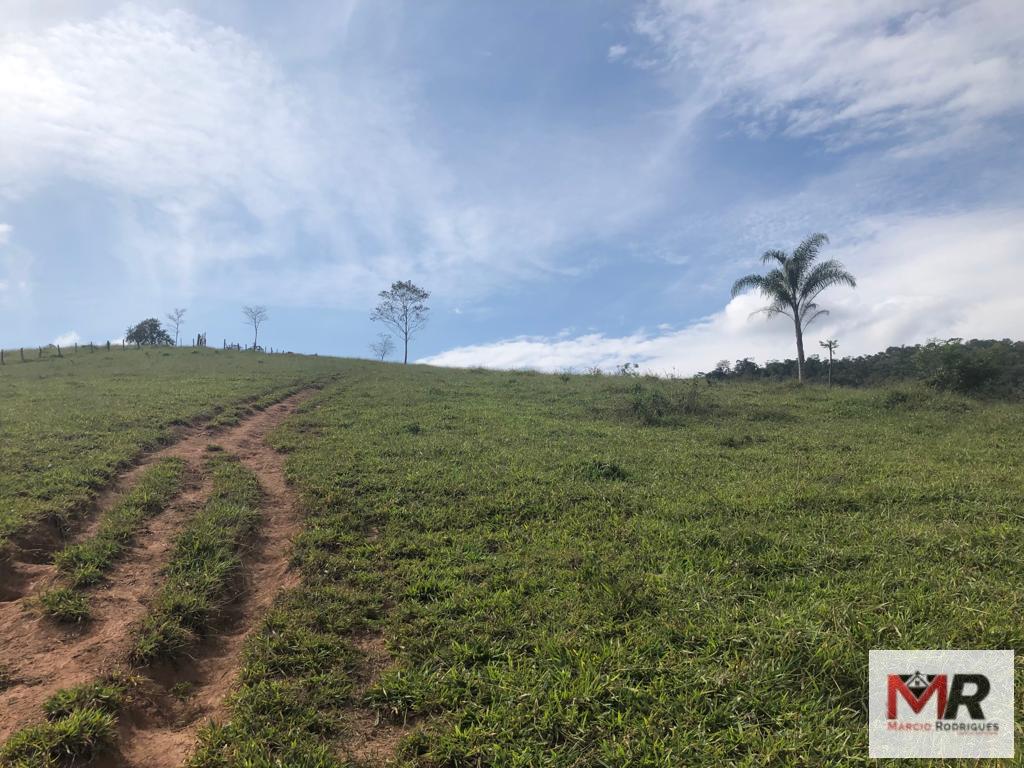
(518, 569)
(563, 582)
(67, 424)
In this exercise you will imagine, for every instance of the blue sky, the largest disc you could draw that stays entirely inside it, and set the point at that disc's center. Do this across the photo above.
(576, 183)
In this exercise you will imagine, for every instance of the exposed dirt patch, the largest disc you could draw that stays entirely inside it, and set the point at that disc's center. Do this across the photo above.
(160, 728)
(372, 740)
(41, 657)
(45, 656)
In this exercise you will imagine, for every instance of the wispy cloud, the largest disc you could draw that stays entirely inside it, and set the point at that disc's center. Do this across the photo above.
(848, 71)
(227, 167)
(617, 51)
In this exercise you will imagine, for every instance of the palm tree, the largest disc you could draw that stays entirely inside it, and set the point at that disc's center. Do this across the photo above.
(794, 284)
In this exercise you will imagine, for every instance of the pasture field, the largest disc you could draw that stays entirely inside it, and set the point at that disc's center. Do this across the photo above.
(573, 571)
(68, 424)
(517, 569)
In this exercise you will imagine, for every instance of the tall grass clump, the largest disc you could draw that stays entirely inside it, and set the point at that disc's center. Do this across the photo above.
(665, 403)
(80, 725)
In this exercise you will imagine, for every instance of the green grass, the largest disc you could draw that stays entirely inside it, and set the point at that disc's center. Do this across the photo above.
(203, 563)
(67, 425)
(85, 563)
(606, 571)
(72, 740)
(107, 695)
(570, 571)
(80, 724)
(65, 604)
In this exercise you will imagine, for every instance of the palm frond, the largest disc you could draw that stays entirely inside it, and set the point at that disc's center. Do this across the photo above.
(774, 255)
(796, 282)
(747, 281)
(805, 254)
(778, 307)
(822, 276)
(812, 313)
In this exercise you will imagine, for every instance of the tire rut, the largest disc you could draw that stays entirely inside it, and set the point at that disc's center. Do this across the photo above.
(43, 656)
(40, 657)
(160, 727)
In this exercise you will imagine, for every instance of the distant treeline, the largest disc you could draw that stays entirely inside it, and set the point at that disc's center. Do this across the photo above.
(979, 367)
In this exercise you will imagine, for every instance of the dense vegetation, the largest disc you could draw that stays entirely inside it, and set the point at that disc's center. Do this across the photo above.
(977, 367)
(67, 424)
(564, 578)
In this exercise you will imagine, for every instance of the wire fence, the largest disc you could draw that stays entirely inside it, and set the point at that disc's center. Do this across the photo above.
(52, 351)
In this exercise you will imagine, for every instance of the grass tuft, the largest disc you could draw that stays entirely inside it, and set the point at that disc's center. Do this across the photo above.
(105, 695)
(65, 605)
(71, 740)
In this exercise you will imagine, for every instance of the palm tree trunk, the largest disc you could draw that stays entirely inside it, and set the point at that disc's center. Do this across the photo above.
(799, 350)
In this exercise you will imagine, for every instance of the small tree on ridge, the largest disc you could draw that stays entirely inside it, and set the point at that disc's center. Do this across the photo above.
(383, 346)
(403, 308)
(176, 319)
(148, 332)
(255, 316)
(831, 345)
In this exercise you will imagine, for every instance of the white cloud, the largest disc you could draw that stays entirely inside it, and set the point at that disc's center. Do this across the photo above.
(617, 51)
(850, 70)
(223, 165)
(67, 339)
(918, 278)
(15, 267)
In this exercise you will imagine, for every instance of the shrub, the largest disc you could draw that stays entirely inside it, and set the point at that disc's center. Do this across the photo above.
(952, 366)
(654, 407)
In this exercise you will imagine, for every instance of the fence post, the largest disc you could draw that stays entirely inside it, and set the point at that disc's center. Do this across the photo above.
(58, 350)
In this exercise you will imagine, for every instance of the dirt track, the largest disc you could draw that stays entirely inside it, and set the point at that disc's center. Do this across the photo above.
(41, 657)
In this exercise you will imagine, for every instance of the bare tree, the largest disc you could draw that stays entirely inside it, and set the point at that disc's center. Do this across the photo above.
(255, 316)
(831, 345)
(403, 308)
(176, 319)
(383, 346)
